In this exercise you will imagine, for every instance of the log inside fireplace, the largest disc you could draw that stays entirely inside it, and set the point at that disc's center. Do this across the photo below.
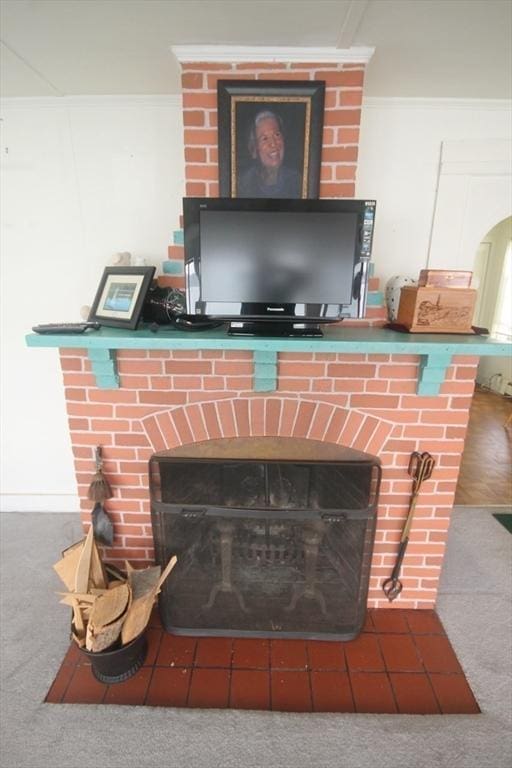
(274, 537)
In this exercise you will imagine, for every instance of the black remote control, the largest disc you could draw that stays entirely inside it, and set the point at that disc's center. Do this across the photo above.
(64, 327)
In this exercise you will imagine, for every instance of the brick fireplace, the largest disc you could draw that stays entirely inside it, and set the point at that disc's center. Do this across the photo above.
(364, 401)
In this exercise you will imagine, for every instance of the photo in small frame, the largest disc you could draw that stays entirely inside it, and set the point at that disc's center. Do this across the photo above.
(120, 296)
(270, 138)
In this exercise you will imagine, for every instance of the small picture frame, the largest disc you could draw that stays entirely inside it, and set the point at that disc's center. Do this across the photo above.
(120, 296)
(270, 137)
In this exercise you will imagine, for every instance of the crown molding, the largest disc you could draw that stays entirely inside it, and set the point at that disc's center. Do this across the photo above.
(257, 53)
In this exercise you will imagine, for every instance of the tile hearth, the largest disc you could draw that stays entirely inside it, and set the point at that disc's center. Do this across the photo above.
(402, 663)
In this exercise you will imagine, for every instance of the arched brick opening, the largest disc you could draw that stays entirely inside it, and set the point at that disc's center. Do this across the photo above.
(266, 416)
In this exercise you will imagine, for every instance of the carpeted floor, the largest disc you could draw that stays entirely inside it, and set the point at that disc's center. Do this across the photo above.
(473, 605)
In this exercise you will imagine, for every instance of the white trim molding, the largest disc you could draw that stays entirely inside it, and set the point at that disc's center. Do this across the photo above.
(265, 54)
(444, 103)
(40, 502)
(72, 102)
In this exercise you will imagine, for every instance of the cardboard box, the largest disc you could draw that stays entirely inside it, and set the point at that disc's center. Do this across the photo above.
(444, 278)
(437, 310)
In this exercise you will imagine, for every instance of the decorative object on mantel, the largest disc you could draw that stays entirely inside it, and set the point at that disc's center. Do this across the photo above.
(138, 261)
(442, 302)
(393, 288)
(444, 278)
(420, 468)
(120, 296)
(163, 305)
(437, 310)
(110, 611)
(123, 259)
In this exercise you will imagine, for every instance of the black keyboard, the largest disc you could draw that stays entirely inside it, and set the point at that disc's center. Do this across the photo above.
(65, 327)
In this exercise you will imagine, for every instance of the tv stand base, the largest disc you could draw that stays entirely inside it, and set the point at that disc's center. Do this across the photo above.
(291, 329)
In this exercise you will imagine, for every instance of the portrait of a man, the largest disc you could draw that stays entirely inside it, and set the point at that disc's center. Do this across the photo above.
(270, 137)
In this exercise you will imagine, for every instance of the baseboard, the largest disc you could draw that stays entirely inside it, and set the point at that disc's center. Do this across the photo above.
(39, 502)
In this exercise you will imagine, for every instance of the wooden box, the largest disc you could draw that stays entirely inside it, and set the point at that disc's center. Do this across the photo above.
(436, 310)
(444, 278)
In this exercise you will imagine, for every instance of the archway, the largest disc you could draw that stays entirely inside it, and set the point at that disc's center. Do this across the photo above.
(492, 277)
(487, 442)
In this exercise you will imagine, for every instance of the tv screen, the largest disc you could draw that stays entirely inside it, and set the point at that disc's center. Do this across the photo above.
(276, 260)
(283, 258)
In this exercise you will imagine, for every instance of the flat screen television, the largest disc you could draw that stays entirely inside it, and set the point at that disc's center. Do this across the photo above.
(277, 266)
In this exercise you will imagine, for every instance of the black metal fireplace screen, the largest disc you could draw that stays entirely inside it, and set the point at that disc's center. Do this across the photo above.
(265, 546)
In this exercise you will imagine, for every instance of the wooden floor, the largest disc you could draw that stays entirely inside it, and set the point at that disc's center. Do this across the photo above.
(486, 472)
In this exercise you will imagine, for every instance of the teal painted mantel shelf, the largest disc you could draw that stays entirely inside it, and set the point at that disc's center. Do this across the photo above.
(435, 350)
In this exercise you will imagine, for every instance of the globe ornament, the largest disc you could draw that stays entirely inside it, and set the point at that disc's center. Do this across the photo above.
(392, 294)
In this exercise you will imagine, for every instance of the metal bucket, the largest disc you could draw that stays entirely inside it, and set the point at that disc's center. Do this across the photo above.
(120, 662)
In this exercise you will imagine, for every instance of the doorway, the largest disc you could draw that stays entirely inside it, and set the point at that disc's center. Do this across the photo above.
(485, 476)
(492, 276)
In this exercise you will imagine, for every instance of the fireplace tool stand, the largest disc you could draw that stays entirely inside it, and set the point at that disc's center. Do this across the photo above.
(420, 469)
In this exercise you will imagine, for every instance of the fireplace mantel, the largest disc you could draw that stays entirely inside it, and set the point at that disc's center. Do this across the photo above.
(435, 351)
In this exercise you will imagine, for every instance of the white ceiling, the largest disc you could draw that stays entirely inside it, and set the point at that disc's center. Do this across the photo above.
(423, 48)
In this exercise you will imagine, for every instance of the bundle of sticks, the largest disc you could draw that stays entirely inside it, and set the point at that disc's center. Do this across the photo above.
(108, 607)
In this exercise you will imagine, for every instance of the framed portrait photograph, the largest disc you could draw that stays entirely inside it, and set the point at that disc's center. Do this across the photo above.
(270, 137)
(120, 296)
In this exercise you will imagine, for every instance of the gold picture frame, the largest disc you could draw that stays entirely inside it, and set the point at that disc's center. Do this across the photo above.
(270, 138)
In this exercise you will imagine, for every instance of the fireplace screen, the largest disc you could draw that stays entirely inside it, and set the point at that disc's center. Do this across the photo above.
(264, 546)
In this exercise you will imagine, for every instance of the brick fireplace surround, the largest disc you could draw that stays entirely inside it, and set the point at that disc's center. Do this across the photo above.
(366, 402)
(169, 397)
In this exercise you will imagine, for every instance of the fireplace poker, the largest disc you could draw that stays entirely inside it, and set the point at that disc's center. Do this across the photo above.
(420, 469)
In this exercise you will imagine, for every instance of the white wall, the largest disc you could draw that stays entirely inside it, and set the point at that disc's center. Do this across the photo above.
(399, 162)
(82, 179)
(86, 178)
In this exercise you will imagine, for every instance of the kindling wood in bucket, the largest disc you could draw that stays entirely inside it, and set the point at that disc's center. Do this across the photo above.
(110, 611)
